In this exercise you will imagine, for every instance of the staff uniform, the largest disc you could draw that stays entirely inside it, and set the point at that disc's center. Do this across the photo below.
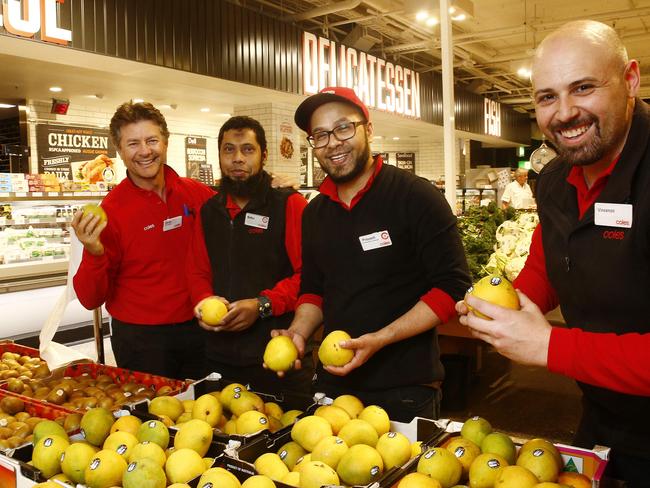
(244, 253)
(141, 277)
(516, 195)
(600, 275)
(371, 262)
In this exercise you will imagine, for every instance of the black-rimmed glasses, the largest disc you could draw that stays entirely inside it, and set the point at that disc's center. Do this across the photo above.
(342, 132)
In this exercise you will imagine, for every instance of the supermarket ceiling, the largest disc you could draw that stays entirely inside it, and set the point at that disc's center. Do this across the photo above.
(493, 42)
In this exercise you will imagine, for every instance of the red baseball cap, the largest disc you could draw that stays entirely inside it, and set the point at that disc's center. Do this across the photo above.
(327, 95)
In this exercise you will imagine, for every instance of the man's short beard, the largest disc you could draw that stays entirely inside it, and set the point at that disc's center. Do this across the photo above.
(241, 188)
(357, 169)
(591, 152)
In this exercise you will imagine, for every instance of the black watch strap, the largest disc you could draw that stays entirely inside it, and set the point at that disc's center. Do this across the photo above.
(264, 307)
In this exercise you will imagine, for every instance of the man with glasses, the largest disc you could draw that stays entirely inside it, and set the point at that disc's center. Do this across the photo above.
(382, 260)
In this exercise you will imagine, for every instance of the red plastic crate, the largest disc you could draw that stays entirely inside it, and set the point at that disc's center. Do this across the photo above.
(9, 346)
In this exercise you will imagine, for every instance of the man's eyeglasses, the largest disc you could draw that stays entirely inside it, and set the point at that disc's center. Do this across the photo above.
(342, 132)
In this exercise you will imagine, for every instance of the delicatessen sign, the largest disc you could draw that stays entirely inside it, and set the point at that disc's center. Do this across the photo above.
(380, 84)
(82, 154)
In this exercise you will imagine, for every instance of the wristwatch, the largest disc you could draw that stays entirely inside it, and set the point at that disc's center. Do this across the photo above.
(264, 307)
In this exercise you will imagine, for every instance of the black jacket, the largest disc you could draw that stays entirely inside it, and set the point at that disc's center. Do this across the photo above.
(246, 260)
(603, 282)
(363, 291)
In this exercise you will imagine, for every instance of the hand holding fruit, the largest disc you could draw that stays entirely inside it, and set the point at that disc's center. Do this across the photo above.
(88, 224)
(241, 315)
(363, 348)
(210, 311)
(299, 343)
(521, 335)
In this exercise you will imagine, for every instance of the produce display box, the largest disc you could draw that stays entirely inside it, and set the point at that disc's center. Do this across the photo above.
(214, 382)
(419, 429)
(10, 346)
(119, 376)
(35, 409)
(591, 463)
(16, 473)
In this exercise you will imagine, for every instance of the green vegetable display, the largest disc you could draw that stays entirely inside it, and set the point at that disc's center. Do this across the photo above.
(478, 227)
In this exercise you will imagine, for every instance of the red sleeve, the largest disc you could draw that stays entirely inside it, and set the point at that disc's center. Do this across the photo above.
(197, 269)
(441, 303)
(310, 298)
(615, 362)
(284, 294)
(93, 279)
(533, 280)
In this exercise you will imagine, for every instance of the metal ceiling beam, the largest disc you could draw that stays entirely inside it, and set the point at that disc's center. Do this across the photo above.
(325, 10)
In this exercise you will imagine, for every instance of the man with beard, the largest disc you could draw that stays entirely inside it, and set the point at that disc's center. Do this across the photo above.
(382, 260)
(246, 252)
(590, 250)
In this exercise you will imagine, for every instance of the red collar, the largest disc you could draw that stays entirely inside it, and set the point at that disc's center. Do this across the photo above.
(328, 187)
(587, 196)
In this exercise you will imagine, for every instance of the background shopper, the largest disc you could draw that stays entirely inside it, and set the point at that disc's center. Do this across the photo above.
(518, 193)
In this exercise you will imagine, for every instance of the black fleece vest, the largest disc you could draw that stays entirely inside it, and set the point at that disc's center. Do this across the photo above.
(246, 260)
(602, 274)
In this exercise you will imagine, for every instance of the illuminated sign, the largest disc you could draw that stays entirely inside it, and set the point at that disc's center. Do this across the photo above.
(492, 117)
(378, 83)
(27, 17)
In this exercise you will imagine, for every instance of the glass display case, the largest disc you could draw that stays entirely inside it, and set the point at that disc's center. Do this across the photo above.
(35, 237)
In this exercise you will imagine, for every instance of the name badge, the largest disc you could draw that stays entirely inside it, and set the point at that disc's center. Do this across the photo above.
(172, 223)
(259, 221)
(613, 214)
(375, 240)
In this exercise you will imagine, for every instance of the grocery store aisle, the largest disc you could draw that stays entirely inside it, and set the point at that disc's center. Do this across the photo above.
(523, 401)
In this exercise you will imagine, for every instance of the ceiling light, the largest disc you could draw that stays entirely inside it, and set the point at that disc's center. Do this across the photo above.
(459, 17)
(422, 15)
(452, 10)
(378, 137)
(205, 109)
(137, 100)
(6, 105)
(523, 72)
(431, 21)
(56, 89)
(223, 114)
(396, 138)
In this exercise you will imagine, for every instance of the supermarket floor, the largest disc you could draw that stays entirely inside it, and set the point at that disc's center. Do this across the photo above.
(521, 400)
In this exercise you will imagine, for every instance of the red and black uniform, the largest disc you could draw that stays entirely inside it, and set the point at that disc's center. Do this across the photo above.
(412, 252)
(244, 253)
(141, 278)
(599, 275)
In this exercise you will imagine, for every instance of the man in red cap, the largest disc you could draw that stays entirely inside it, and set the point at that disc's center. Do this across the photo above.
(382, 260)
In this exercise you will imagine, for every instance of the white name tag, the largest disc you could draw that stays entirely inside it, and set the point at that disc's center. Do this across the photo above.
(172, 223)
(259, 221)
(613, 214)
(375, 240)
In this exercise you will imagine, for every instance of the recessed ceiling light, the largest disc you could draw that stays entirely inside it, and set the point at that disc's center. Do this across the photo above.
(378, 137)
(205, 109)
(137, 100)
(396, 138)
(422, 15)
(56, 89)
(6, 105)
(431, 21)
(223, 114)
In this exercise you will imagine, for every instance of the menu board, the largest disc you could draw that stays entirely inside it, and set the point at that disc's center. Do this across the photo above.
(405, 161)
(384, 156)
(82, 154)
(196, 160)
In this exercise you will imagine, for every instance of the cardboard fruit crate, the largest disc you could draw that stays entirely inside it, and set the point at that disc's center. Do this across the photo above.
(419, 429)
(589, 462)
(15, 472)
(214, 382)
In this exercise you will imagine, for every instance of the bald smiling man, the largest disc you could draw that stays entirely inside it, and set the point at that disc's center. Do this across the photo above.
(589, 253)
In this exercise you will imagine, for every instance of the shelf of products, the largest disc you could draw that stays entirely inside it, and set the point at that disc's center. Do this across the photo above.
(35, 235)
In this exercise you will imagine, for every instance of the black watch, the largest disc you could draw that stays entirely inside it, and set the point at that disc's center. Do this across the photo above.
(264, 307)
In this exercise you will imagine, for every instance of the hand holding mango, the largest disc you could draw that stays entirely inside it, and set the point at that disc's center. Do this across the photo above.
(97, 210)
(496, 290)
(212, 311)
